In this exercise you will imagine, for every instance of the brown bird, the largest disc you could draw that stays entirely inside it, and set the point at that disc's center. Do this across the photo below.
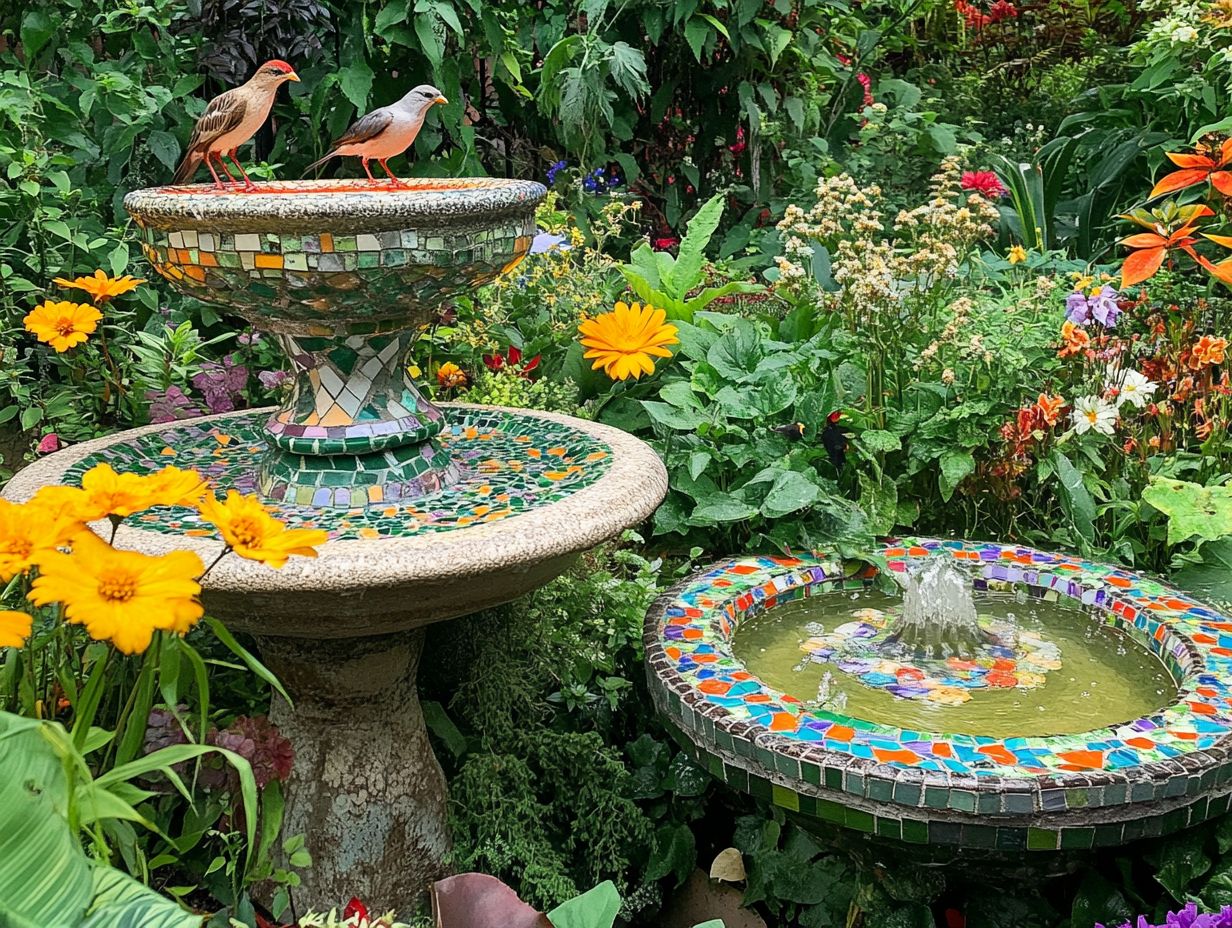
(385, 132)
(231, 119)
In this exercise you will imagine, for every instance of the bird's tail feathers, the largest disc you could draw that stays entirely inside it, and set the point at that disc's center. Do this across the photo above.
(316, 164)
(188, 167)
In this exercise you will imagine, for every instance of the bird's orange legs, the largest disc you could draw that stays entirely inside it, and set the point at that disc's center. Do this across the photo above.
(217, 180)
(397, 183)
(248, 184)
(364, 162)
(222, 164)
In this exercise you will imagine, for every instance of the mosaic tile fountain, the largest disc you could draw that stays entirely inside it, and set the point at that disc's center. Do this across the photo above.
(909, 758)
(432, 512)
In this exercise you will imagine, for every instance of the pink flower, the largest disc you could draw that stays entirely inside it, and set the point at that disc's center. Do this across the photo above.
(49, 443)
(986, 183)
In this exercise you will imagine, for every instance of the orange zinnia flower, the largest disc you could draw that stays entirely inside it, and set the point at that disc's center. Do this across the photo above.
(1076, 339)
(1196, 168)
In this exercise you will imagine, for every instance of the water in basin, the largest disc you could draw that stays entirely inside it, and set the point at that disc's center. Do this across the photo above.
(1038, 667)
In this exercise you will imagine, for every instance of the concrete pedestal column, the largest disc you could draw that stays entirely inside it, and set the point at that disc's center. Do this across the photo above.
(366, 791)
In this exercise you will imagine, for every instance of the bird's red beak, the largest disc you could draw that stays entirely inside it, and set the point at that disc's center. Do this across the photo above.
(441, 100)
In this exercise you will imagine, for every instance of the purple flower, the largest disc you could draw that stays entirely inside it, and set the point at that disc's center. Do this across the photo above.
(555, 169)
(1077, 309)
(171, 406)
(1188, 917)
(546, 241)
(221, 384)
(1104, 307)
(272, 380)
(248, 338)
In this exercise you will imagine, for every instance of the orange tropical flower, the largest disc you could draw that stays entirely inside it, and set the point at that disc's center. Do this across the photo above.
(15, 628)
(1050, 407)
(121, 596)
(449, 375)
(62, 325)
(1208, 350)
(1076, 339)
(1196, 168)
(625, 342)
(251, 532)
(102, 288)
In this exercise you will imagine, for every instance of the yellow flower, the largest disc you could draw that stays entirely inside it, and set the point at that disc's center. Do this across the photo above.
(15, 628)
(26, 531)
(121, 596)
(449, 375)
(1017, 255)
(62, 325)
(251, 532)
(625, 342)
(107, 493)
(102, 288)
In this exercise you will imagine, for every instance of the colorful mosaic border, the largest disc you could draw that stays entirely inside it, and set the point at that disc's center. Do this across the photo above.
(1035, 793)
(511, 463)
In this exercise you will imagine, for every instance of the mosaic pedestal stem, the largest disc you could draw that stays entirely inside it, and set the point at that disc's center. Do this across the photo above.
(366, 790)
(355, 430)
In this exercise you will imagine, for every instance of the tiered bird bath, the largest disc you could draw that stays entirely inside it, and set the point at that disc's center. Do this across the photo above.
(1086, 706)
(432, 512)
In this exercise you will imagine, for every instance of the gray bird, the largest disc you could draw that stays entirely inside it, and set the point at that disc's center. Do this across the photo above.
(385, 132)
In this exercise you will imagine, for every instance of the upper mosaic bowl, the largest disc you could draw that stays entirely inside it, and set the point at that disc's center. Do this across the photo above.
(316, 258)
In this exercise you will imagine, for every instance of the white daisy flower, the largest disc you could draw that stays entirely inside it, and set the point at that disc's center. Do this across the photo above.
(1094, 412)
(1132, 387)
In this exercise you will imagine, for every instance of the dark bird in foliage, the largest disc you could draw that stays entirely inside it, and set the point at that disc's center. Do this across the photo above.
(833, 437)
(385, 132)
(230, 120)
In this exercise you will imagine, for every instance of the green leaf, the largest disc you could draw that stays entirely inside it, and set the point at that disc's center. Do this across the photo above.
(1099, 901)
(879, 500)
(1193, 511)
(164, 147)
(1212, 579)
(722, 508)
(955, 466)
(433, 47)
(1075, 498)
(356, 82)
(1181, 861)
(682, 420)
(879, 441)
(36, 29)
(597, 908)
(695, 32)
(249, 659)
(122, 902)
(790, 492)
(736, 354)
(441, 725)
(691, 256)
(674, 853)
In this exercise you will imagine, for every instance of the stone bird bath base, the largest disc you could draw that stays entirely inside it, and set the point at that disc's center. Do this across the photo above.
(432, 512)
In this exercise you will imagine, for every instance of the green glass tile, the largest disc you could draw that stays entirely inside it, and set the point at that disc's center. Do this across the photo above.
(941, 832)
(989, 802)
(1077, 838)
(1041, 839)
(889, 828)
(880, 790)
(979, 836)
(785, 798)
(831, 811)
(907, 794)
(810, 773)
(936, 798)
(1011, 839)
(859, 820)
(962, 801)
(915, 832)
(834, 778)
(1110, 835)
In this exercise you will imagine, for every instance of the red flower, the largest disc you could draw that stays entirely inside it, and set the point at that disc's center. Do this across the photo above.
(511, 359)
(985, 183)
(353, 908)
(664, 242)
(1002, 9)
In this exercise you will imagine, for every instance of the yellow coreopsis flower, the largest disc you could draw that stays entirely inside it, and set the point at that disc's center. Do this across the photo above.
(26, 531)
(101, 287)
(625, 342)
(121, 596)
(62, 325)
(1017, 255)
(251, 532)
(15, 628)
(105, 493)
(449, 376)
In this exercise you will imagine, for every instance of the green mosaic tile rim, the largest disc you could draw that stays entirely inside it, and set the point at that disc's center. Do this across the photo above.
(1177, 756)
(512, 463)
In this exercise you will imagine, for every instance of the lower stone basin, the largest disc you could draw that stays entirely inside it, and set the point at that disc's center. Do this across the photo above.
(934, 777)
